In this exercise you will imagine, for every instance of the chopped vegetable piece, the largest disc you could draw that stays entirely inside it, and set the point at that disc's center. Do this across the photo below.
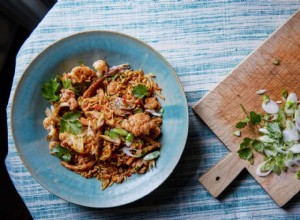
(284, 94)
(69, 122)
(62, 153)
(261, 91)
(276, 62)
(50, 90)
(237, 133)
(67, 84)
(140, 91)
(129, 139)
(119, 131)
(278, 139)
(127, 150)
(298, 175)
(151, 156)
(269, 106)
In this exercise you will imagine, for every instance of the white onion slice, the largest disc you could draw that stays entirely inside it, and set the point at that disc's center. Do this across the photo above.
(89, 130)
(290, 133)
(48, 112)
(279, 150)
(292, 97)
(266, 139)
(270, 153)
(297, 119)
(116, 141)
(261, 91)
(260, 173)
(263, 130)
(295, 148)
(270, 107)
(153, 112)
(127, 150)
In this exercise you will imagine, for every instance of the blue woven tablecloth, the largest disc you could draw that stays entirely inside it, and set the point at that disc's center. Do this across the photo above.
(203, 41)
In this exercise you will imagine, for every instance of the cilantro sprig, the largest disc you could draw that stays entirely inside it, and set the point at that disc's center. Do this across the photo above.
(251, 118)
(140, 91)
(70, 122)
(50, 90)
(276, 135)
(62, 153)
(67, 84)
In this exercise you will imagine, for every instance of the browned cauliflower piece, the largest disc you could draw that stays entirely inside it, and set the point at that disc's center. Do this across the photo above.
(66, 94)
(68, 98)
(113, 88)
(81, 74)
(138, 124)
(151, 103)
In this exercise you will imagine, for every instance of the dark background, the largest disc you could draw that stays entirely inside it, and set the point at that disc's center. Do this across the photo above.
(17, 21)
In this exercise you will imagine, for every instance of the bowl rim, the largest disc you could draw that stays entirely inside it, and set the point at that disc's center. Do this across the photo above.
(62, 40)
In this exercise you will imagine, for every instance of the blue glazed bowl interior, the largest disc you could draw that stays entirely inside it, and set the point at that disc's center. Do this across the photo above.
(28, 113)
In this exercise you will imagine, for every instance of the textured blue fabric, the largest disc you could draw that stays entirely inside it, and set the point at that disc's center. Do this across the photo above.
(203, 41)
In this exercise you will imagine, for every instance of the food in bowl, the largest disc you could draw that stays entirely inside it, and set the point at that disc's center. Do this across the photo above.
(104, 123)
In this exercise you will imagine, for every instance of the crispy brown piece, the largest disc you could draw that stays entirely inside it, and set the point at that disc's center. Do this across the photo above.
(78, 168)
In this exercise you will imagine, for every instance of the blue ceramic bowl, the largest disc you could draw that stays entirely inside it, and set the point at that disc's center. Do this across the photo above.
(28, 107)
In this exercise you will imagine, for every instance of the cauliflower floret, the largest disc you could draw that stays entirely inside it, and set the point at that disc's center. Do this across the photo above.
(151, 103)
(113, 88)
(68, 98)
(80, 74)
(66, 94)
(138, 124)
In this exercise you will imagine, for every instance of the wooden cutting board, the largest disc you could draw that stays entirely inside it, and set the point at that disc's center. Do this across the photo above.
(220, 108)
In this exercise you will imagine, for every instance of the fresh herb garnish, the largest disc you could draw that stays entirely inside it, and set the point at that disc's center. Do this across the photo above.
(50, 90)
(62, 153)
(278, 135)
(67, 84)
(140, 91)
(69, 122)
(252, 118)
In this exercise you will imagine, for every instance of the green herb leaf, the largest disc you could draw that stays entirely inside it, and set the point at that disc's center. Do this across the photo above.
(50, 90)
(62, 153)
(284, 93)
(254, 118)
(69, 122)
(245, 153)
(140, 91)
(67, 84)
(298, 175)
(241, 124)
(258, 146)
(246, 143)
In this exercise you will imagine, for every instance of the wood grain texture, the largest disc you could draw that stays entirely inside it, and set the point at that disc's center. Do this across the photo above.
(223, 173)
(220, 108)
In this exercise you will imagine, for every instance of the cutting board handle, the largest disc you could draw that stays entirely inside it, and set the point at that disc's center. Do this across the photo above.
(222, 174)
